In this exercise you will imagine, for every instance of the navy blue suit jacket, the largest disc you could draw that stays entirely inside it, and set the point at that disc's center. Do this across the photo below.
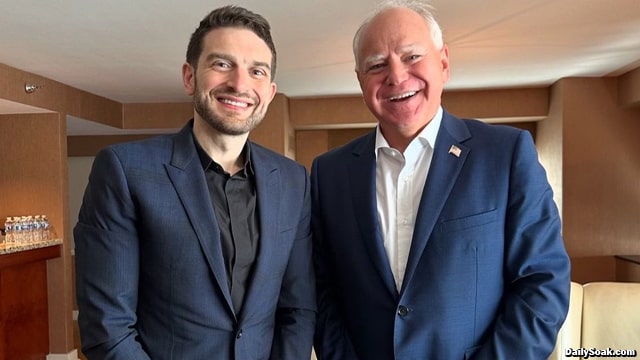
(487, 275)
(151, 279)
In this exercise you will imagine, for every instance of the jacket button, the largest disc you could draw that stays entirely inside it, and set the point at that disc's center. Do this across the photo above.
(403, 310)
(239, 334)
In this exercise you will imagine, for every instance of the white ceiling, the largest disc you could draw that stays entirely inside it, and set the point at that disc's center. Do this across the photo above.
(132, 51)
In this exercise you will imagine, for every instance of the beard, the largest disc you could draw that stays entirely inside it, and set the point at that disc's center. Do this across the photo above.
(226, 121)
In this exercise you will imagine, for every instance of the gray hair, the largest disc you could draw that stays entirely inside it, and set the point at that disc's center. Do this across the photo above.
(424, 9)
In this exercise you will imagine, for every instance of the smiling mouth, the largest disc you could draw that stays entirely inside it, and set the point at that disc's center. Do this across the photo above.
(234, 103)
(403, 96)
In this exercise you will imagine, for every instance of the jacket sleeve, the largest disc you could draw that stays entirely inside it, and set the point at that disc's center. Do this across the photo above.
(106, 255)
(296, 310)
(537, 268)
(331, 340)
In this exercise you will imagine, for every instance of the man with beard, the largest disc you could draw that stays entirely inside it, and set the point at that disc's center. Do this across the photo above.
(197, 245)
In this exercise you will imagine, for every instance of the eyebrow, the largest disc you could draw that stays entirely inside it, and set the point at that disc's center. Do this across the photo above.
(379, 57)
(373, 59)
(216, 55)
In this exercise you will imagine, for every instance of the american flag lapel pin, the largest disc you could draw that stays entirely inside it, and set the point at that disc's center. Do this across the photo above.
(455, 151)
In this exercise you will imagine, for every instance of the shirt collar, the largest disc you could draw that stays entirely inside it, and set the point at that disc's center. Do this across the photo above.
(207, 161)
(428, 135)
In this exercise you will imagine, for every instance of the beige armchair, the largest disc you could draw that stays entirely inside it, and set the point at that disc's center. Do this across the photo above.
(602, 316)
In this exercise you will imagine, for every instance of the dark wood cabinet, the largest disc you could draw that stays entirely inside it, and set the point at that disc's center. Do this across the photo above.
(24, 316)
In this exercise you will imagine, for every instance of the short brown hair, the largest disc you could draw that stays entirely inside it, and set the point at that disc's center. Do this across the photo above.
(231, 16)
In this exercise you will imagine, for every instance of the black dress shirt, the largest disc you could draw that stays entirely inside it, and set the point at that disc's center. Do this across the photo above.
(234, 202)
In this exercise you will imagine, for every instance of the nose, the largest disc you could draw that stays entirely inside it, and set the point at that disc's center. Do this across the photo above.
(397, 72)
(239, 80)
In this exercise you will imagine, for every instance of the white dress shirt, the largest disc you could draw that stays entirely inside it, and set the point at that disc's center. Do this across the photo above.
(400, 179)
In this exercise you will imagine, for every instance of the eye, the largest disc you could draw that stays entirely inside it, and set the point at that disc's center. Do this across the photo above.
(259, 72)
(375, 67)
(221, 64)
(414, 57)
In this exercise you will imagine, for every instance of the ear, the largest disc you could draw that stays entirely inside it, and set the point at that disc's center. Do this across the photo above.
(188, 78)
(274, 89)
(444, 59)
(358, 77)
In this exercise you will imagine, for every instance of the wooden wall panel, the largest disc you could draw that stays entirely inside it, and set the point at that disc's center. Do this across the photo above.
(524, 104)
(628, 268)
(601, 168)
(31, 174)
(34, 181)
(629, 89)
(58, 97)
(549, 140)
(89, 145)
(156, 115)
(310, 143)
(530, 126)
(494, 104)
(273, 132)
(344, 111)
(339, 137)
(586, 269)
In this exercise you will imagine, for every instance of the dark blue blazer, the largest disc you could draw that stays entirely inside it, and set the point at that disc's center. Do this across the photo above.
(151, 280)
(487, 275)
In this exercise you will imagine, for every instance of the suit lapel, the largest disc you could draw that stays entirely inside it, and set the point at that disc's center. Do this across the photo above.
(443, 173)
(268, 186)
(362, 179)
(187, 176)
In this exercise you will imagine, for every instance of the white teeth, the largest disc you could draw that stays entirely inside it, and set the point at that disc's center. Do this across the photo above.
(403, 96)
(234, 103)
